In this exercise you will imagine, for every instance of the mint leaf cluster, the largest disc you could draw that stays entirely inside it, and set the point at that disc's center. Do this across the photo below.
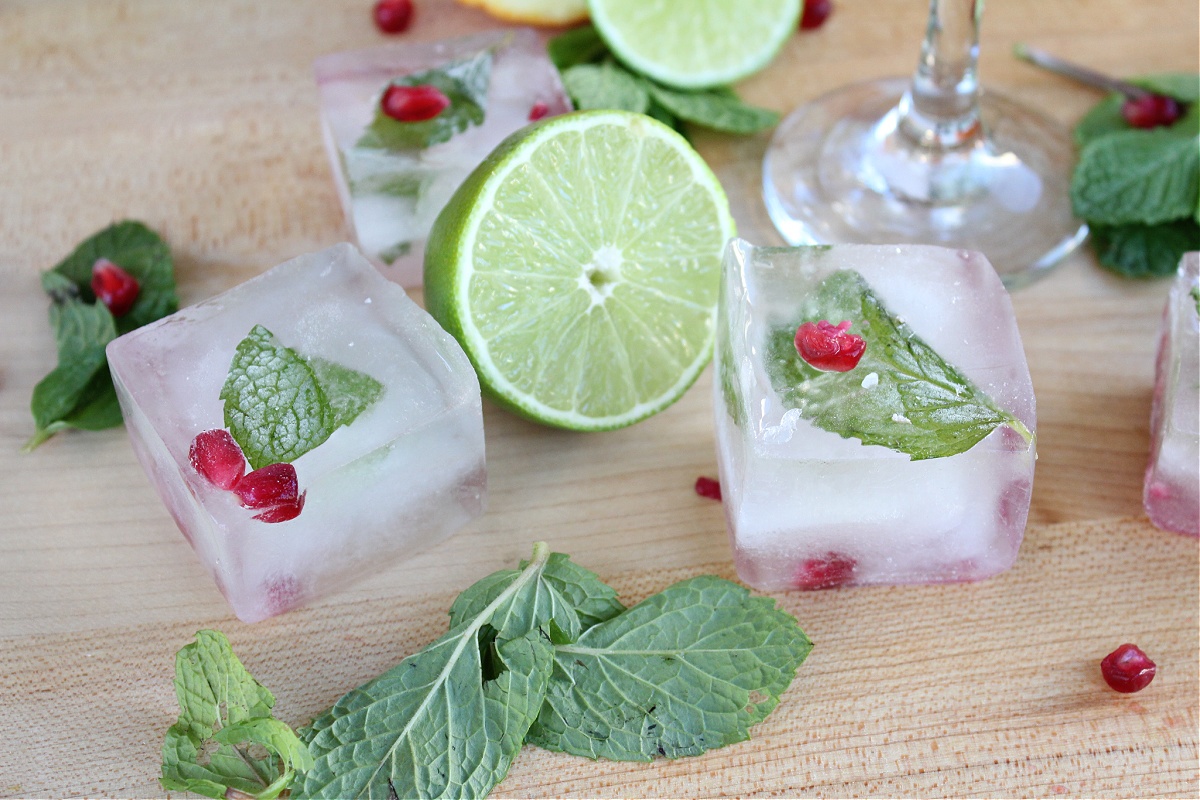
(280, 405)
(1139, 190)
(595, 80)
(547, 655)
(917, 402)
(79, 392)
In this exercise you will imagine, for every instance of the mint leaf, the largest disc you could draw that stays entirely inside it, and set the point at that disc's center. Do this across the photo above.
(580, 45)
(606, 86)
(223, 713)
(448, 720)
(1105, 117)
(920, 405)
(685, 671)
(464, 82)
(1145, 251)
(279, 406)
(718, 110)
(398, 250)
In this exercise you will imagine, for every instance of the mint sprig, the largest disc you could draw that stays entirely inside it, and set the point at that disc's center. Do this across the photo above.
(280, 405)
(918, 403)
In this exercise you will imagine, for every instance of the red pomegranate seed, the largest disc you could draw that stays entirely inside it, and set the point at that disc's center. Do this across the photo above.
(825, 572)
(538, 111)
(413, 103)
(217, 457)
(272, 485)
(393, 16)
(114, 287)
(284, 511)
(1151, 111)
(708, 487)
(1127, 669)
(829, 347)
(815, 14)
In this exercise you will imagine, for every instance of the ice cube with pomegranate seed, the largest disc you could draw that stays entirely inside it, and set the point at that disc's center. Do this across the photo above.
(874, 416)
(406, 472)
(1172, 488)
(391, 185)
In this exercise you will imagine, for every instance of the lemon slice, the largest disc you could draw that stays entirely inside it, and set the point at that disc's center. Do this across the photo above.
(534, 12)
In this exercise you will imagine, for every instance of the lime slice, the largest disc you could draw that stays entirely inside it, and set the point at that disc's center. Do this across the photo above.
(694, 44)
(579, 265)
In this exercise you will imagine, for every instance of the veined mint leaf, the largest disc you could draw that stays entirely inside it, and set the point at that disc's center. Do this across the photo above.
(718, 110)
(223, 712)
(606, 85)
(918, 404)
(580, 45)
(464, 82)
(1145, 251)
(279, 406)
(685, 671)
(446, 721)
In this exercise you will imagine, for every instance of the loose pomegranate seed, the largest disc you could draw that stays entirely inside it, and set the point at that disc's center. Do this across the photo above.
(538, 111)
(815, 14)
(1151, 111)
(828, 347)
(284, 511)
(1127, 669)
(393, 16)
(217, 457)
(114, 287)
(413, 103)
(708, 487)
(269, 486)
(825, 572)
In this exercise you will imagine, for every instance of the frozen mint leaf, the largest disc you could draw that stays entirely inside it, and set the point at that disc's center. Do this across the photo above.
(1105, 117)
(685, 671)
(394, 184)
(718, 110)
(464, 82)
(580, 45)
(398, 250)
(918, 403)
(446, 721)
(606, 85)
(225, 717)
(1145, 251)
(279, 406)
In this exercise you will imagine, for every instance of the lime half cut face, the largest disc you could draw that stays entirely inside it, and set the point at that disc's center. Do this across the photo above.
(579, 267)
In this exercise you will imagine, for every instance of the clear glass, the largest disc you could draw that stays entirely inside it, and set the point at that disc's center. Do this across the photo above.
(931, 159)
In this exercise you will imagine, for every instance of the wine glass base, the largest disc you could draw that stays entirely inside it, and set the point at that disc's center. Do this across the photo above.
(839, 171)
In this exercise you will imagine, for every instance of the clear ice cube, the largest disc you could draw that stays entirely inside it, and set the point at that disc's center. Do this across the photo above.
(391, 197)
(807, 508)
(403, 475)
(1172, 489)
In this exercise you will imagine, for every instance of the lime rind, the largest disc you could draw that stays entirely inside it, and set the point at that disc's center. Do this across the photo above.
(696, 44)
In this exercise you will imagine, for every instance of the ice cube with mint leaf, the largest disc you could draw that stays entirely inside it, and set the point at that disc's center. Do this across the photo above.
(913, 463)
(325, 367)
(394, 177)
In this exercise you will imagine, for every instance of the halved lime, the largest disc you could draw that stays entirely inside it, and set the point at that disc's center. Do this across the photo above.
(694, 44)
(578, 266)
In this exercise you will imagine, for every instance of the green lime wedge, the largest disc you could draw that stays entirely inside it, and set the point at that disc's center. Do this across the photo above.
(578, 266)
(696, 44)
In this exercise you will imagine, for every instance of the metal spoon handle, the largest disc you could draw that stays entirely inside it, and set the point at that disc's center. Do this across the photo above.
(1090, 77)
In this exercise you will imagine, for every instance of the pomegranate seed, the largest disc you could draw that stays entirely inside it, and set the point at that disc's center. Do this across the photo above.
(114, 287)
(1127, 669)
(272, 485)
(825, 572)
(708, 487)
(815, 14)
(538, 111)
(284, 511)
(393, 16)
(828, 347)
(217, 457)
(1151, 111)
(413, 103)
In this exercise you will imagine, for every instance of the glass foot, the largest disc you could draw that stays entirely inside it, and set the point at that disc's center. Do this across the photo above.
(840, 170)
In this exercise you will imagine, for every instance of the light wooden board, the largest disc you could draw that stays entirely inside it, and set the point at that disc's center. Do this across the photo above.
(200, 119)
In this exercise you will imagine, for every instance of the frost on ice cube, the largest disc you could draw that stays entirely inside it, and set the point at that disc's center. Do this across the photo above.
(304, 428)
(395, 176)
(1172, 487)
(874, 416)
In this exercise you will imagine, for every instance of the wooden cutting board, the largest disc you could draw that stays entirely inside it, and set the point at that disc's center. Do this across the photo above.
(200, 119)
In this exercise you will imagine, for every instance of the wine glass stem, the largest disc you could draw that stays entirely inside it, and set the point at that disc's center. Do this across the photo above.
(940, 111)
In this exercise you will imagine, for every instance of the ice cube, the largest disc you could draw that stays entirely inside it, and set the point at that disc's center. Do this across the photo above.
(402, 475)
(942, 491)
(1172, 488)
(391, 189)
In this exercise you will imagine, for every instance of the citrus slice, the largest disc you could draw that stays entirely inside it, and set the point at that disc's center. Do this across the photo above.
(698, 43)
(534, 12)
(579, 266)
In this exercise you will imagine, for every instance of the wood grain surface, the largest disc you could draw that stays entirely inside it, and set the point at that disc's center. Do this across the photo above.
(200, 119)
